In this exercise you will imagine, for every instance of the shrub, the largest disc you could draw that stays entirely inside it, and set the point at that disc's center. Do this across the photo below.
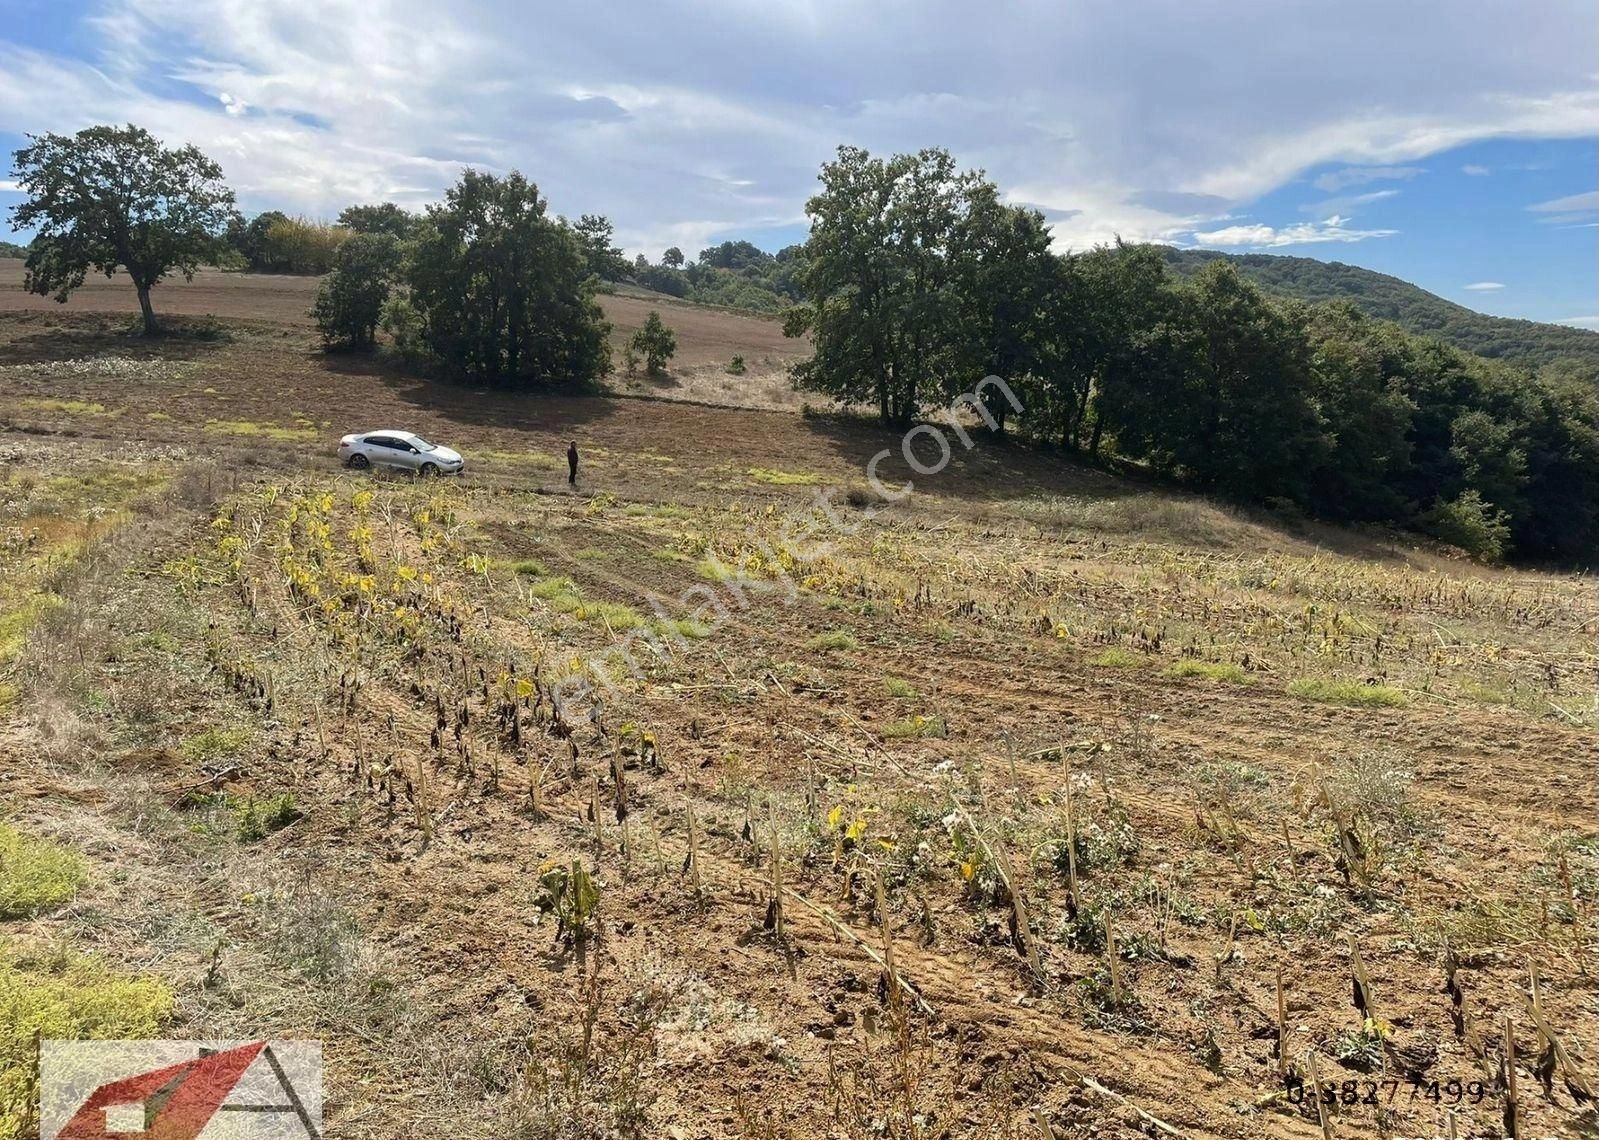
(736, 367)
(1473, 525)
(349, 304)
(655, 342)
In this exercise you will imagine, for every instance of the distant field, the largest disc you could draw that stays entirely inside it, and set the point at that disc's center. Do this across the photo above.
(707, 339)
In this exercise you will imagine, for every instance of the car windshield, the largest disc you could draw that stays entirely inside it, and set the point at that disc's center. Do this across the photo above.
(421, 444)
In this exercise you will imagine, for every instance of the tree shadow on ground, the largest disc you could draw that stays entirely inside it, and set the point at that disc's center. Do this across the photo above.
(41, 338)
(470, 404)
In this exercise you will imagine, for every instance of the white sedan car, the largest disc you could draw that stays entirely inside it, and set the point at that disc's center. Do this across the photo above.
(400, 450)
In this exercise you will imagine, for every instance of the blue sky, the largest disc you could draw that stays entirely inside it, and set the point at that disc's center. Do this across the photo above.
(1448, 142)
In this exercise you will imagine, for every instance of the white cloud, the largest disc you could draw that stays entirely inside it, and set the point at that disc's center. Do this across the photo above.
(1337, 180)
(1475, 170)
(1259, 236)
(9, 186)
(1572, 204)
(1580, 322)
(1346, 205)
(1484, 286)
(688, 123)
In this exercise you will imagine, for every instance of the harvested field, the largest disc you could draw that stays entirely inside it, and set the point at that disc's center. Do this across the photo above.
(1009, 803)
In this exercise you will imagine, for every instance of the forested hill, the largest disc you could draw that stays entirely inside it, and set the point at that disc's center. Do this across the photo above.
(1414, 309)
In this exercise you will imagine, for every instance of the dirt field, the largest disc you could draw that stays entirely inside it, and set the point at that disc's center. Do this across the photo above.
(997, 812)
(708, 339)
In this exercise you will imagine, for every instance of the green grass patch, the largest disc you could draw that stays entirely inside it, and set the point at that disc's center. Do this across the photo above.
(36, 874)
(562, 594)
(257, 819)
(1210, 671)
(833, 639)
(592, 554)
(683, 627)
(214, 744)
(715, 571)
(249, 429)
(527, 568)
(63, 995)
(1114, 658)
(901, 689)
(1334, 692)
(14, 626)
(73, 407)
(784, 478)
(613, 614)
(916, 728)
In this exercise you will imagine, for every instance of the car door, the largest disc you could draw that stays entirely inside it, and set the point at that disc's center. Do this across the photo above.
(381, 450)
(406, 457)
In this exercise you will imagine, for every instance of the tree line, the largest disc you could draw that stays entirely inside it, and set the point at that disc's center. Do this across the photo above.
(917, 279)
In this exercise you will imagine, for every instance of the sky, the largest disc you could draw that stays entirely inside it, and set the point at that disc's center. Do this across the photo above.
(1453, 143)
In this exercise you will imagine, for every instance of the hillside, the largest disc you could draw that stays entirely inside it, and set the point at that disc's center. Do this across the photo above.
(1529, 343)
(308, 754)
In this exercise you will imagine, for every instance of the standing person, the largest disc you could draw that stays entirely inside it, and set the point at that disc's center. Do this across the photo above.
(571, 463)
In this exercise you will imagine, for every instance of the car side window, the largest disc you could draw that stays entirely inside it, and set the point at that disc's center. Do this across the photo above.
(380, 441)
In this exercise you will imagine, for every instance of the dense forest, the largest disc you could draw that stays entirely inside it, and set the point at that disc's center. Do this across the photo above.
(918, 281)
(1412, 308)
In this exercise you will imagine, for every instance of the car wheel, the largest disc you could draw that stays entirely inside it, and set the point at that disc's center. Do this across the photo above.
(429, 470)
(360, 462)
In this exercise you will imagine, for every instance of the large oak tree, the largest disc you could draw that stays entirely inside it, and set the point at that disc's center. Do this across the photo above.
(114, 196)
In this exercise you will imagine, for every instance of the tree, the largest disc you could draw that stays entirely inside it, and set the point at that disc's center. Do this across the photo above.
(881, 291)
(385, 218)
(110, 196)
(672, 258)
(503, 292)
(350, 301)
(654, 342)
(605, 260)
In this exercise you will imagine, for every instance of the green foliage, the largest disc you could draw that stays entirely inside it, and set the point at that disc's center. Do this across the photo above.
(735, 367)
(916, 727)
(1117, 658)
(114, 196)
(572, 895)
(655, 342)
(1210, 671)
(12, 249)
(1386, 298)
(66, 996)
(385, 218)
(915, 280)
(604, 260)
(1471, 524)
(833, 639)
(1336, 692)
(504, 293)
(36, 874)
(258, 819)
(350, 302)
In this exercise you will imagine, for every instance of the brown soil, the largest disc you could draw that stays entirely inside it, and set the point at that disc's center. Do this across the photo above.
(993, 616)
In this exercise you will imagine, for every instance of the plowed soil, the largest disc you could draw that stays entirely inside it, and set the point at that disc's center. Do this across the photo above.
(945, 684)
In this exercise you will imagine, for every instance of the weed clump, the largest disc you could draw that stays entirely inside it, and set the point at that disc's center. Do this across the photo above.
(833, 639)
(1356, 693)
